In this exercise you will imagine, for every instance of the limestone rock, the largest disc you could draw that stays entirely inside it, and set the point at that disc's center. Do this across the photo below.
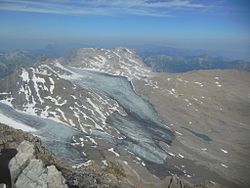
(28, 172)
(25, 152)
(35, 175)
(55, 178)
(32, 176)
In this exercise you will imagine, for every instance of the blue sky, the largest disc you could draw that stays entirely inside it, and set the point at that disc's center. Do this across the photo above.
(203, 24)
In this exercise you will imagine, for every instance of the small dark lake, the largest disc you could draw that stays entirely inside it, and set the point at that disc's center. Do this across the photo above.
(199, 135)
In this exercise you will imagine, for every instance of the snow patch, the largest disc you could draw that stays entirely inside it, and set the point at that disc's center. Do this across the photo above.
(178, 133)
(105, 162)
(112, 150)
(223, 165)
(181, 156)
(224, 151)
(25, 75)
(171, 154)
(52, 86)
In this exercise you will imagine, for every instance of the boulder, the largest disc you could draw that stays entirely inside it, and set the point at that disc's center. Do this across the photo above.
(35, 175)
(25, 152)
(55, 178)
(28, 172)
(32, 176)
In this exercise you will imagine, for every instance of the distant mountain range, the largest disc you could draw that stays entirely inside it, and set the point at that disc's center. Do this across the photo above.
(176, 64)
(164, 58)
(160, 59)
(10, 60)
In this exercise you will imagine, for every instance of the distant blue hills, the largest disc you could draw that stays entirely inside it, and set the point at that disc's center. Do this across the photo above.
(160, 59)
(178, 63)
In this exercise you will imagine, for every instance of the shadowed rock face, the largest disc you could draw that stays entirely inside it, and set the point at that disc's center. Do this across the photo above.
(5, 156)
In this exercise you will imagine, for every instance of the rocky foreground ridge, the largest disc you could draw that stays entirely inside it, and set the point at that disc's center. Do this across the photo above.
(35, 166)
(27, 171)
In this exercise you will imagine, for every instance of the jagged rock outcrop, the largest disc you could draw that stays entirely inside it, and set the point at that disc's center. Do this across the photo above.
(28, 172)
(25, 152)
(91, 176)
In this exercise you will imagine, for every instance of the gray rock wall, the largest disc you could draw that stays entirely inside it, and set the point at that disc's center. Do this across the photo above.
(28, 172)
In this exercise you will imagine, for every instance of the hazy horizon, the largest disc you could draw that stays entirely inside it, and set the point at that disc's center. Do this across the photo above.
(221, 26)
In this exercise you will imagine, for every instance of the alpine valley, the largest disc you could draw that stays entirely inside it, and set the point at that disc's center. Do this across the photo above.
(103, 111)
